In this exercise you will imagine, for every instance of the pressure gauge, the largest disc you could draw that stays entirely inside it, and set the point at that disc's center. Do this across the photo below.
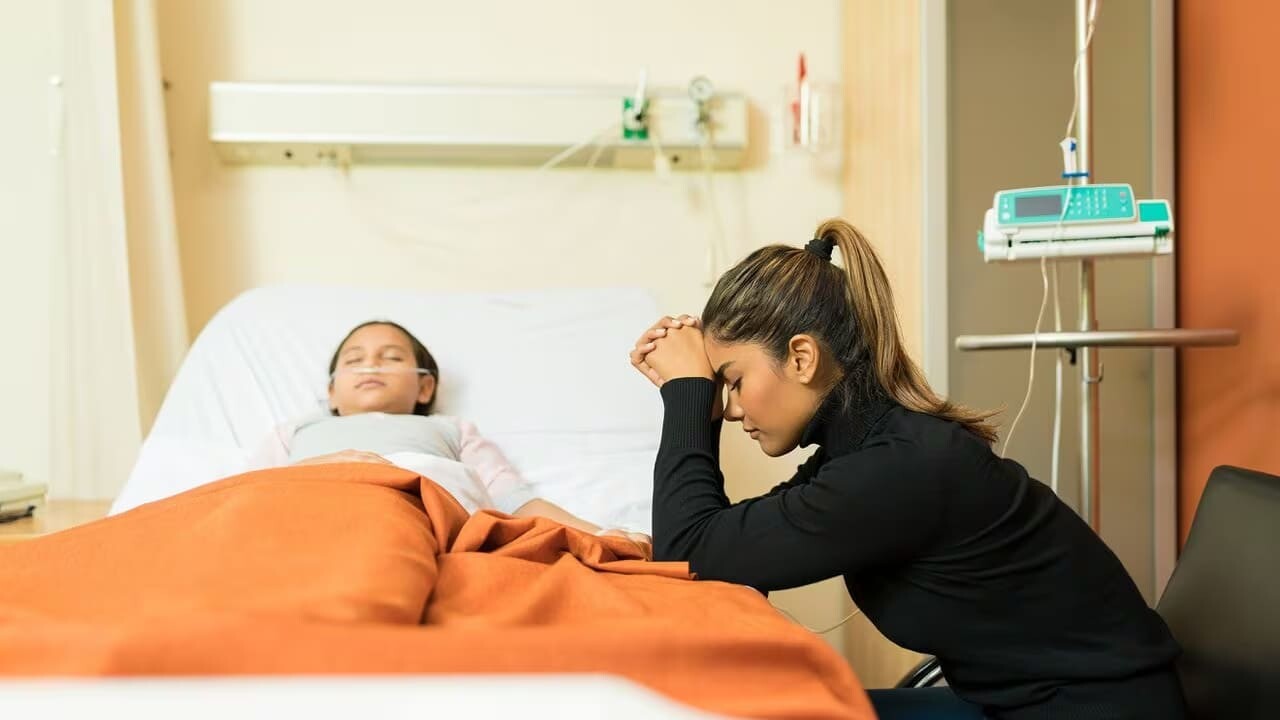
(701, 90)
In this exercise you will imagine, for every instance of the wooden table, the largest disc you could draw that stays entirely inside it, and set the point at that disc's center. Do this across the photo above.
(55, 515)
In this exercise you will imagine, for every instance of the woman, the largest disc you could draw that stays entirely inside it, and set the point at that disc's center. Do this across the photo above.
(947, 548)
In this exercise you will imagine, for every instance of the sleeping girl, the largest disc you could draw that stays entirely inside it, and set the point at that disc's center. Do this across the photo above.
(382, 386)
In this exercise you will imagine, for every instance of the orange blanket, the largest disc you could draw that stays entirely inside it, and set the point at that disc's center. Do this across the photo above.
(370, 569)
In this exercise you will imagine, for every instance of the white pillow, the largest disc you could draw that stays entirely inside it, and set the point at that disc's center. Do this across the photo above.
(544, 374)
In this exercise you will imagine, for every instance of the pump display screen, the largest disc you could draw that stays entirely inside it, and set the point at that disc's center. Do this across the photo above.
(1037, 205)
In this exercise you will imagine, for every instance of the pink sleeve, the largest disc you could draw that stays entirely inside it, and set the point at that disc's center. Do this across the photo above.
(508, 490)
(272, 450)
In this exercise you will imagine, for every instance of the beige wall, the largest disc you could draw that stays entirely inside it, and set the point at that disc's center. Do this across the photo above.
(883, 174)
(28, 229)
(451, 228)
(1010, 96)
(493, 228)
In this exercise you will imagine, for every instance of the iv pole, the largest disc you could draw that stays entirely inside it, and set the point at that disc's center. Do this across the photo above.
(1090, 367)
(1089, 339)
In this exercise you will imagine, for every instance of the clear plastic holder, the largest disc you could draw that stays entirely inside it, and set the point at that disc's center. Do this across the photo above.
(809, 119)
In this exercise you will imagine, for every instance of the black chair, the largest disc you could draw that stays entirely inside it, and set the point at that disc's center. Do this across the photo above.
(1222, 603)
(927, 674)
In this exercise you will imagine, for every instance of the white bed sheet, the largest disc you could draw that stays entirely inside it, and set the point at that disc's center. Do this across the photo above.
(528, 697)
(544, 374)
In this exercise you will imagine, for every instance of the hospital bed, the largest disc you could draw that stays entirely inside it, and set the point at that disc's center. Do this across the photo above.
(544, 375)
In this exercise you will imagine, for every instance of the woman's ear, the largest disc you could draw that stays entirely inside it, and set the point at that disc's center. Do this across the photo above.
(803, 355)
(426, 389)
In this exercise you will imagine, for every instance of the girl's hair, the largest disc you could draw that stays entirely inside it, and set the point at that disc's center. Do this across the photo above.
(421, 356)
(778, 292)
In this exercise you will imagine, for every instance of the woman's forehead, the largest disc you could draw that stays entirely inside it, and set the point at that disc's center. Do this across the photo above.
(721, 353)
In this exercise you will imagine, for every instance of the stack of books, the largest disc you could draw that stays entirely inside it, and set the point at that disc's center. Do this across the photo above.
(18, 499)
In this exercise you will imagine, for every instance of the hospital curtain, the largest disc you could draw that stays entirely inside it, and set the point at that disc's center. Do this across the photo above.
(155, 276)
(110, 256)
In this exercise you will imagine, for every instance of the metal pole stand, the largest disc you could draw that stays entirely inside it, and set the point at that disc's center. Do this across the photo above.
(1089, 339)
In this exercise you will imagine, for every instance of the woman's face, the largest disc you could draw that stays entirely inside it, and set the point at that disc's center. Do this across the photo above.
(395, 388)
(773, 401)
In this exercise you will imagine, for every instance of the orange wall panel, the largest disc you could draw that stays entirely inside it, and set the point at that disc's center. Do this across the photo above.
(1228, 213)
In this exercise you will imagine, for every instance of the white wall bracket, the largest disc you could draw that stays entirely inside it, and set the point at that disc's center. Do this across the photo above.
(302, 124)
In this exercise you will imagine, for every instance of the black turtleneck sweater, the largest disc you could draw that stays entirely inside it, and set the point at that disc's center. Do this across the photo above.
(946, 548)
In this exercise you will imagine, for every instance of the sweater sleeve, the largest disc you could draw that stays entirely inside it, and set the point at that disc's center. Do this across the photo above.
(876, 505)
(506, 486)
(272, 450)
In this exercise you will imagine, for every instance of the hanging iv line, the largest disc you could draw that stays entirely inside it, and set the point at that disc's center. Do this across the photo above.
(853, 614)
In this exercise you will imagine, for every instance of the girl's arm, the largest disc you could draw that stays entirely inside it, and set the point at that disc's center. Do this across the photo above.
(538, 507)
(510, 493)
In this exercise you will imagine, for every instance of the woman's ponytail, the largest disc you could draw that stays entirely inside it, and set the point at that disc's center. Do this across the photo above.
(871, 302)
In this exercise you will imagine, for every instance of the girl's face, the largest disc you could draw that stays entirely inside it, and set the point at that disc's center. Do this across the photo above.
(774, 402)
(396, 386)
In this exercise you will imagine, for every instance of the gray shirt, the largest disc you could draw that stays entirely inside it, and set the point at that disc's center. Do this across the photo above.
(381, 433)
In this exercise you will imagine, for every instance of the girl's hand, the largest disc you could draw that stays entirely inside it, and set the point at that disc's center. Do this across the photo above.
(345, 456)
(644, 541)
(645, 344)
(680, 353)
